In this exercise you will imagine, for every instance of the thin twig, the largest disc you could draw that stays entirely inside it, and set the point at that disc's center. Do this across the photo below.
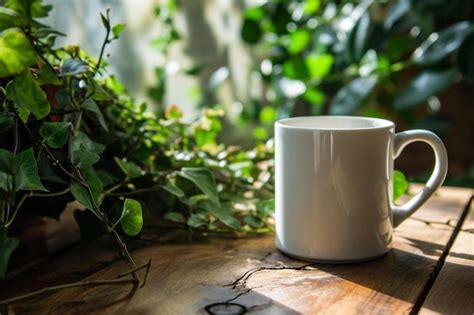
(16, 137)
(29, 195)
(135, 192)
(147, 265)
(17, 208)
(59, 193)
(117, 186)
(46, 62)
(104, 44)
(68, 285)
(145, 277)
(79, 179)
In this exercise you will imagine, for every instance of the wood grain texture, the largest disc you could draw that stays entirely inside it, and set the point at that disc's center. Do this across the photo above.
(453, 290)
(222, 274)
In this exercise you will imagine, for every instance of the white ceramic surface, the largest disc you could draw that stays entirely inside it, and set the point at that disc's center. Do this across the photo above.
(334, 185)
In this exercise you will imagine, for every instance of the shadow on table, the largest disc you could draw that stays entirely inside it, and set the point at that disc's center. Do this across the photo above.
(435, 249)
(414, 275)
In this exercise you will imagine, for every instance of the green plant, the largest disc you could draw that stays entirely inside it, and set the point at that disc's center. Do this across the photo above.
(68, 131)
(354, 57)
(48, 107)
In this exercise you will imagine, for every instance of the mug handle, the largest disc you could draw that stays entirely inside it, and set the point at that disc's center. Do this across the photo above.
(402, 139)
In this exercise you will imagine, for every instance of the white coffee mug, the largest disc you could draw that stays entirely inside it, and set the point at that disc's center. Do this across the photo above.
(333, 185)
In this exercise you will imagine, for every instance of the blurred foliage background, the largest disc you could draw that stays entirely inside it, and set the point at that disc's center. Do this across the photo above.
(404, 60)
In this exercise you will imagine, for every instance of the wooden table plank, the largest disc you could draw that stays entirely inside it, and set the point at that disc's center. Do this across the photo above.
(185, 278)
(453, 290)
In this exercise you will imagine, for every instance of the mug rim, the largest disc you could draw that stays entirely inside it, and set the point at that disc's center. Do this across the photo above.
(378, 123)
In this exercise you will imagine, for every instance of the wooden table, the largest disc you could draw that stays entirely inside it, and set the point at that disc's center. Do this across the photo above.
(429, 270)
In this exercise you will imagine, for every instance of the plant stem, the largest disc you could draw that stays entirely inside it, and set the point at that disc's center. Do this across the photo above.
(59, 193)
(147, 266)
(106, 41)
(17, 208)
(125, 252)
(78, 120)
(113, 188)
(69, 285)
(137, 191)
(46, 62)
(16, 137)
(77, 177)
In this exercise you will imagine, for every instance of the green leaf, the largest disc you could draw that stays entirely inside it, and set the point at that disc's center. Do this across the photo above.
(314, 96)
(6, 183)
(132, 219)
(426, 84)
(118, 29)
(26, 93)
(81, 140)
(8, 163)
(27, 177)
(267, 115)
(82, 195)
(319, 65)
(196, 220)
(29, 8)
(72, 67)
(24, 114)
(7, 246)
(465, 59)
(6, 122)
(100, 94)
(295, 68)
(8, 169)
(130, 169)
(253, 221)
(299, 39)
(204, 137)
(439, 46)
(91, 105)
(260, 133)
(105, 177)
(47, 76)
(175, 217)
(400, 184)
(55, 134)
(203, 179)
(266, 207)
(16, 52)
(255, 13)
(223, 213)
(173, 189)
(105, 21)
(8, 19)
(311, 6)
(251, 31)
(82, 158)
(362, 32)
(350, 97)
